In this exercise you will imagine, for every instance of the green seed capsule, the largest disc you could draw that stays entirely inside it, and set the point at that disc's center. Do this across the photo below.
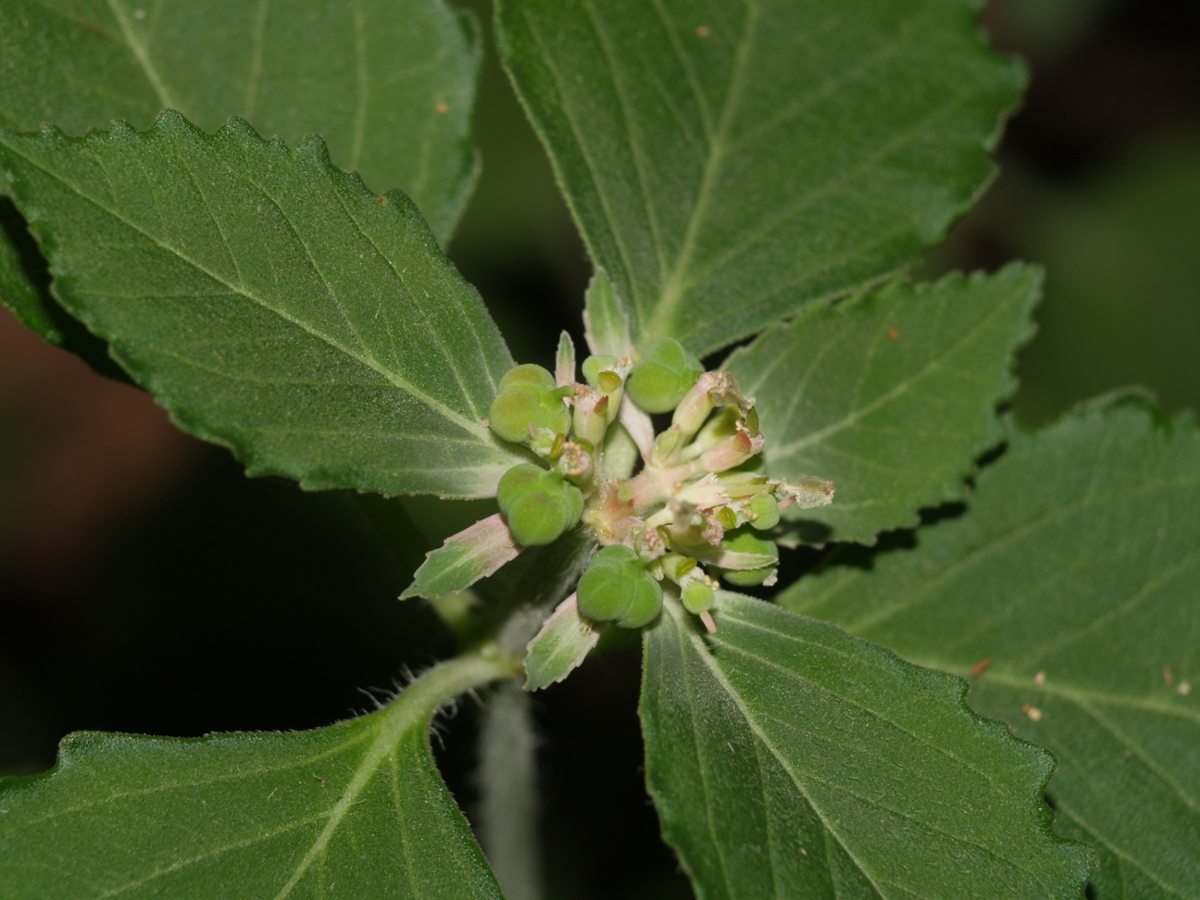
(664, 375)
(617, 588)
(593, 366)
(528, 374)
(538, 505)
(697, 597)
(528, 396)
(766, 511)
(744, 540)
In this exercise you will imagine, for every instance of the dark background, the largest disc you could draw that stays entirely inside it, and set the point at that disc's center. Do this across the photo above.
(147, 586)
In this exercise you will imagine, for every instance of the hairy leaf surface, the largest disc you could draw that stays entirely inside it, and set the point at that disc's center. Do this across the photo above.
(890, 395)
(271, 302)
(389, 83)
(355, 810)
(789, 759)
(1071, 590)
(729, 163)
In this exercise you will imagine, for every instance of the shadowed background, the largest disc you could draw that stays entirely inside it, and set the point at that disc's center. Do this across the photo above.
(146, 585)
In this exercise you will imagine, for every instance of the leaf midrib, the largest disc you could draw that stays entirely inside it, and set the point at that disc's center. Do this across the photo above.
(368, 361)
(752, 723)
(935, 363)
(674, 289)
(700, 649)
(410, 710)
(141, 55)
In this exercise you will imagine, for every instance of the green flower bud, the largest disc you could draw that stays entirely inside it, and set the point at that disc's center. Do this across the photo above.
(744, 540)
(765, 511)
(617, 588)
(663, 377)
(697, 597)
(528, 396)
(593, 366)
(538, 505)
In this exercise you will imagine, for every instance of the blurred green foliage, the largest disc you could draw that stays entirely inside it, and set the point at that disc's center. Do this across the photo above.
(1122, 254)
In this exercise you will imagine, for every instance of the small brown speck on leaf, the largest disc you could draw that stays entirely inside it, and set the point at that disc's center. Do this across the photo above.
(979, 667)
(1184, 689)
(893, 333)
(1168, 676)
(1035, 714)
(380, 199)
(1039, 679)
(703, 30)
(442, 108)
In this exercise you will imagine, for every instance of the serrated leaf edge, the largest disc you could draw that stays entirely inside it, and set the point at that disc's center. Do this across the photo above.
(950, 684)
(173, 124)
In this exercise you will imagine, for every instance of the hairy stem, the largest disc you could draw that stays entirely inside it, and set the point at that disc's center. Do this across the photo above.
(508, 807)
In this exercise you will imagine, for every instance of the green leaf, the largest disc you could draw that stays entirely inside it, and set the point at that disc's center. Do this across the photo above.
(271, 302)
(789, 759)
(560, 647)
(891, 396)
(473, 553)
(728, 164)
(1076, 572)
(389, 83)
(356, 810)
(606, 325)
(25, 290)
(20, 290)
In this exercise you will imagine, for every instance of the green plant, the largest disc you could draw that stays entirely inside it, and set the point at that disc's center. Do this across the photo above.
(746, 175)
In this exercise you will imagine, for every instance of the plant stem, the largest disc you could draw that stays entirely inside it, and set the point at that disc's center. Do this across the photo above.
(447, 680)
(508, 807)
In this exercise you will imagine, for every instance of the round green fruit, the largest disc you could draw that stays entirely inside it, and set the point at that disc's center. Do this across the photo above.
(538, 505)
(744, 540)
(528, 396)
(766, 512)
(528, 374)
(617, 588)
(593, 366)
(665, 373)
(697, 597)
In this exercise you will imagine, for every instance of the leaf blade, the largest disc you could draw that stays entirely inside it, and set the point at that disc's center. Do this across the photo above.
(1074, 574)
(278, 307)
(475, 552)
(726, 166)
(251, 815)
(891, 395)
(288, 67)
(787, 758)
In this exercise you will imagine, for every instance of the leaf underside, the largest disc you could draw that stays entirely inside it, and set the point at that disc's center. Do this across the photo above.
(728, 164)
(1071, 591)
(890, 395)
(787, 758)
(270, 302)
(355, 810)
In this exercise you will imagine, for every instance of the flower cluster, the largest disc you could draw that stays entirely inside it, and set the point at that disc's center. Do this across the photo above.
(686, 508)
